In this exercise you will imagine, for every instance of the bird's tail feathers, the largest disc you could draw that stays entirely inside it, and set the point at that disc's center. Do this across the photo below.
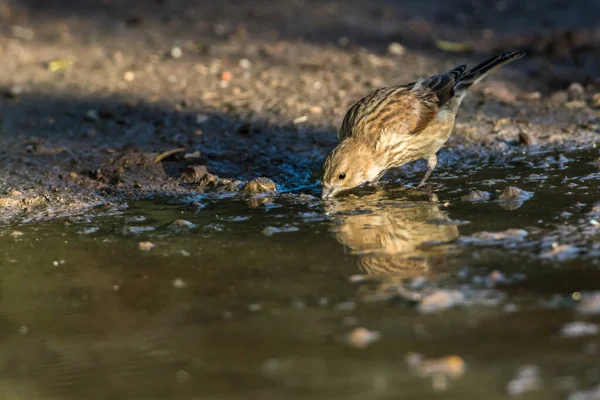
(480, 71)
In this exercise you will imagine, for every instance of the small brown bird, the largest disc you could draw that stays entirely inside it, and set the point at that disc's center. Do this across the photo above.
(393, 126)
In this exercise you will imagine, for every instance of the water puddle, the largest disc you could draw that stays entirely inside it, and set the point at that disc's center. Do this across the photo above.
(477, 289)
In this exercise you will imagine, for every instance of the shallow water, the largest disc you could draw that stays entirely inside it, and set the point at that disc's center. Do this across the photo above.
(256, 298)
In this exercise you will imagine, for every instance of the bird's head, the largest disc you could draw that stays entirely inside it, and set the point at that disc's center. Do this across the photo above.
(351, 164)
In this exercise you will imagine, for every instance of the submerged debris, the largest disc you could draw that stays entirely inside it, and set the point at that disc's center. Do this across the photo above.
(512, 197)
(194, 173)
(181, 224)
(561, 252)
(589, 303)
(440, 300)
(260, 186)
(485, 238)
(578, 329)
(145, 246)
(526, 380)
(438, 369)
(476, 195)
(590, 394)
(360, 338)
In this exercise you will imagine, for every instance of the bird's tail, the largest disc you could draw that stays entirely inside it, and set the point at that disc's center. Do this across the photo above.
(480, 71)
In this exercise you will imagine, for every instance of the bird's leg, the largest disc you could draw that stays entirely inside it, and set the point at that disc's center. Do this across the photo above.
(431, 163)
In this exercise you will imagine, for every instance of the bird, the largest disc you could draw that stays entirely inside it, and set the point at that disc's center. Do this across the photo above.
(393, 126)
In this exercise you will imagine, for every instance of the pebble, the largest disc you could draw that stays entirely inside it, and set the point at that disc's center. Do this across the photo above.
(485, 238)
(271, 230)
(396, 49)
(590, 394)
(589, 304)
(226, 76)
(181, 224)
(145, 246)
(16, 234)
(129, 76)
(13, 92)
(259, 186)
(525, 139)
(596, 100)
(513, 193)
(244, 63)
(361, 338)
(578, 329)
(526, 380)
(576, 91)
(22, 32)
(176, 52)
(179, 283)
(440, 300)
(476, 195)
(91, 116)
(561, 252)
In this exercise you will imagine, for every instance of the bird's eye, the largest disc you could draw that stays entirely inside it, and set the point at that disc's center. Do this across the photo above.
(342, 175)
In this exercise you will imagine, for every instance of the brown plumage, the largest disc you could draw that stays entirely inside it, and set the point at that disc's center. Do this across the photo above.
(393, 126)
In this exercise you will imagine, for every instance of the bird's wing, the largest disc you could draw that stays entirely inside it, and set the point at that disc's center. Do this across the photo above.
(397, 108)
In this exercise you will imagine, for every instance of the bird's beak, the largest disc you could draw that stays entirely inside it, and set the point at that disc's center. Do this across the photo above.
(327, 192)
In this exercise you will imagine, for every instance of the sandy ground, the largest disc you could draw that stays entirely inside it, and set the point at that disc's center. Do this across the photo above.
(93, 91)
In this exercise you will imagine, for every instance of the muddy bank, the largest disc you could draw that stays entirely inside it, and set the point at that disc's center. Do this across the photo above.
(105, 102)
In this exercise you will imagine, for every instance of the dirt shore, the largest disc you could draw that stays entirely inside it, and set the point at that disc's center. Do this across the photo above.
(92, 93)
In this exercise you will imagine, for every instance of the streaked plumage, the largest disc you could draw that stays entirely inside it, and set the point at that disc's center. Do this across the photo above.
(397, 125)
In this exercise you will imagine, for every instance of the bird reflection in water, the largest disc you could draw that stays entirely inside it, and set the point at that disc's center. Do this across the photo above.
(392, 239)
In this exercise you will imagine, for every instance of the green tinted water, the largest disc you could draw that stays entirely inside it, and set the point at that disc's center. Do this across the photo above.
(255, 300)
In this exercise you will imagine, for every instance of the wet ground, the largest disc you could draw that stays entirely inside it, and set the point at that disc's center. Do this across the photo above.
(390, 293)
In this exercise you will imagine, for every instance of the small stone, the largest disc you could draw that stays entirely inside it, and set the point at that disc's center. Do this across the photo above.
(22, 32)
(344, 41)
(91, 116)
(440, 300)
(578, 329)
(244, 63)
(145, 246)
(525, 139)
(452, 366)
(181, 224)
(15, 234)
(561, 252)
(226, 76)
(176, 52)
(361, 338)
(596, 100)
(576, 91)
(476, 196)
(530, 96)
(201, 118)
(300, 120)
(13, 92)
(129, 76)
(255, 307)
(575, 104)
(194, 173)
(260, 186)
(396, 49)
(179, 283)
(559, 97)
(192, 156)
(589, 304)
(485, 238)
(526, 380)
(512, 197)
